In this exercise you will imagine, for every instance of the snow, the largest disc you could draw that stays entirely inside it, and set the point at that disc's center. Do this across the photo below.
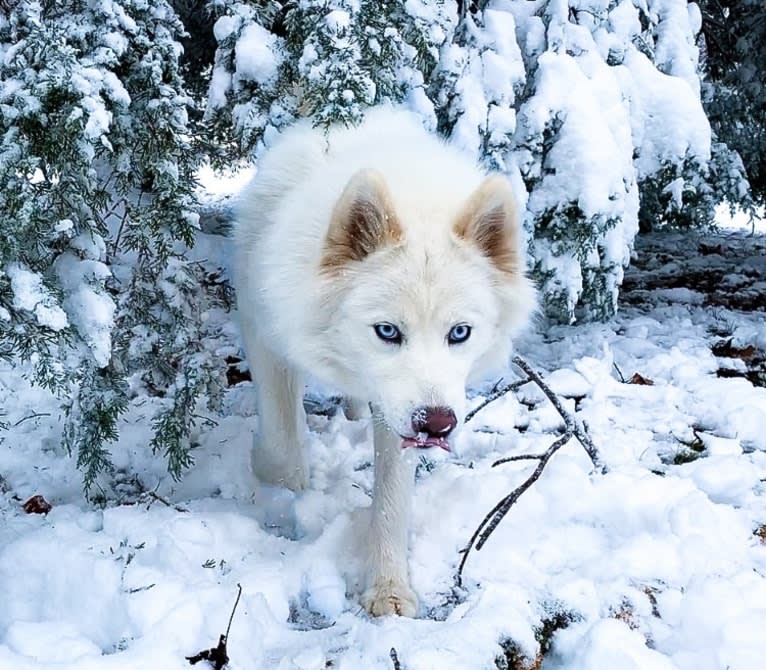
(739, 219)
(225, 26)
(220, 84)
(503, 65)
(257, 57)
(81, 274)
(117, 42)
(30, 294)
(683, 129)
(656, 563)
(611, 644)
(64, 225)
(624, 20)
(215, 184)
(590, 150)
(337, 20)
(584, 154)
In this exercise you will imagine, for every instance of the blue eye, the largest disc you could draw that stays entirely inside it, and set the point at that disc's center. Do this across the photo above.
(459, 333)
(388, 332)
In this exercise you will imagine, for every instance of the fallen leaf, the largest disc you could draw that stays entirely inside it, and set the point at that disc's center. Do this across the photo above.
(37, 505)
(640, 380)
(725, 349)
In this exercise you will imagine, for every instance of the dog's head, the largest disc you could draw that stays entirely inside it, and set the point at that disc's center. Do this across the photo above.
(417, 308)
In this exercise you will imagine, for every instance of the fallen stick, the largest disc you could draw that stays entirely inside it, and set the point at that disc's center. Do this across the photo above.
(572, 428)
(573, 425)
(218, 656)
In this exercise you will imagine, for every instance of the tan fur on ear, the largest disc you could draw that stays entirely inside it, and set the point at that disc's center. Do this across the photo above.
(489, 220)
(363, 221)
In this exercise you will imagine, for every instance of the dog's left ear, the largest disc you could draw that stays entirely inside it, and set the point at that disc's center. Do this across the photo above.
(489, 220)
(363, 221)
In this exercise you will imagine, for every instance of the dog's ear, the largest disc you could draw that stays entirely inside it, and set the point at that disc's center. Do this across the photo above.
(489, 220)
(362, 222)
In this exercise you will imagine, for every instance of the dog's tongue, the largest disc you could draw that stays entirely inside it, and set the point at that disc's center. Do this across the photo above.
(425, 443)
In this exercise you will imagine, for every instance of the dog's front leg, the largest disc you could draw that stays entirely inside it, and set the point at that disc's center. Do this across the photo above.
(278, 451)
(388, 584)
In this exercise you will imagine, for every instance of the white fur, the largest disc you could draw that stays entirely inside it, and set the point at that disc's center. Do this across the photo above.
(297, 320)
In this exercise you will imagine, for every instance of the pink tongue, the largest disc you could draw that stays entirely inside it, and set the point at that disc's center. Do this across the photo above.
(419, 443)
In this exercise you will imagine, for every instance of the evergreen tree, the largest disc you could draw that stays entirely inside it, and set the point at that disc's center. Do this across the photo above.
(585, 104)
(328, 59)
(734, 52)
(96, 206)
(198, 42)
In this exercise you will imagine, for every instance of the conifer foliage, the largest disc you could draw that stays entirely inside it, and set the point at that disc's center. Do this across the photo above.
(96, 207)
(592, 107)
(330, 60)
(734, 54)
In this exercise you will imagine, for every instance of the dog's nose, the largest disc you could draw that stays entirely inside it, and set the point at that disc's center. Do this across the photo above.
(434, 421)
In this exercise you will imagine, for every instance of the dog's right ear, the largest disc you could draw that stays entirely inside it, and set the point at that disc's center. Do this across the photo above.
(363, 221)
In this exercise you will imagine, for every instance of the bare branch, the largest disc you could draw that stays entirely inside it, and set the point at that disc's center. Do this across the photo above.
(573, 425)
(218, 656)
(573, 428)
(496, 393)
(34, 415)
(155, 496)
(234, 609)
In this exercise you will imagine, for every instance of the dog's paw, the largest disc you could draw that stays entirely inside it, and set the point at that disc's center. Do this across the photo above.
(390, 597)
(294, 476)
(296, 480)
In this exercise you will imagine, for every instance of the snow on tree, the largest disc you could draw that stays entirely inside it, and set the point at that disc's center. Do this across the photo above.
(613, 129)
(96, 207)
(277, 62)
(592, 107)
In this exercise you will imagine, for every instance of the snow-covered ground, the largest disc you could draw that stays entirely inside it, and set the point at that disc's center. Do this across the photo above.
(655, 565)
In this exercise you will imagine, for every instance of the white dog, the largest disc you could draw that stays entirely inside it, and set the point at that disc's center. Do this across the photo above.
(385, 263)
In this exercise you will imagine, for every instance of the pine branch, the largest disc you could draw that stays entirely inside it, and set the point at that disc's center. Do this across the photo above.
(573, 428)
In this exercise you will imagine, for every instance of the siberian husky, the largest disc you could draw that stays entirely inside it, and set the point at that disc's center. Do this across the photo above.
(385, 263)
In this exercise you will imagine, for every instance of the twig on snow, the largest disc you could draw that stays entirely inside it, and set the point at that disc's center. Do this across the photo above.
(156, 496)
(218, 655)
(496, 393)
(34, 415)
(572, 428)
(619, 372)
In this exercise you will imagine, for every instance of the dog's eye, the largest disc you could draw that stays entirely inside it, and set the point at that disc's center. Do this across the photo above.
(388, 332)
(459, 333)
